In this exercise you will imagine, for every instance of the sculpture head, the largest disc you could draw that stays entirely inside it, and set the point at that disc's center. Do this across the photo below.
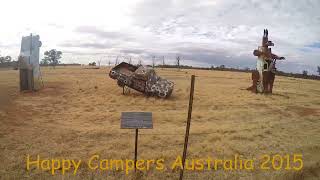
(257, 53)
(265, 40)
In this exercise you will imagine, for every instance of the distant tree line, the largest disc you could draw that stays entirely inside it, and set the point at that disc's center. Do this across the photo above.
(303, 75)
(224, 68)
(52, 58)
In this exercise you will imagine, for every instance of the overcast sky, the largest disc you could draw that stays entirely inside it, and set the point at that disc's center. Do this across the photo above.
(202, 32)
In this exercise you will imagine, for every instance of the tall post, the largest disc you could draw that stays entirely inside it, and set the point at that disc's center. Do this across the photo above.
(136, 150)
(163, 62)
(178, 62)
(30, 48)
(186, 138)
(31, 79)
(153, 61)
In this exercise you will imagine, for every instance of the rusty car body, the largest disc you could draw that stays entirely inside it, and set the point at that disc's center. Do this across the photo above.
(141, 78)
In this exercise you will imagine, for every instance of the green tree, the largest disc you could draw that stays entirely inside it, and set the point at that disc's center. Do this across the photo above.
(52, 57)
(92, 64)
(318, 70)
(304, 73)
(45, 61)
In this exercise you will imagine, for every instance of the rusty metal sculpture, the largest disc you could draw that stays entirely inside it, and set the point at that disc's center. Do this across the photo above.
(143, 79)
(264, 75)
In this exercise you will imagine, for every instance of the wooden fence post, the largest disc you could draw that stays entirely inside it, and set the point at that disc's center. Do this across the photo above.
(188, 127)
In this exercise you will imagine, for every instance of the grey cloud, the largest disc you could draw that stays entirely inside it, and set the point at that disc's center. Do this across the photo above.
(224, 16)
(314, 45)
(82, 53)
(296, 67)
(234, 26)
(213, 32)
(132, 51)
(94, 45)
(92, 30)
(215, 57)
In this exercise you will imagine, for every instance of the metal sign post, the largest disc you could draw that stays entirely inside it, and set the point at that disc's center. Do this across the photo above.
(188, 127)
(136, 150)
(136, 120)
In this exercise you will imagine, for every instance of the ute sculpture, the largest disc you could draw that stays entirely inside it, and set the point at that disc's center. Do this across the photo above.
(143, 79)
(264, 75)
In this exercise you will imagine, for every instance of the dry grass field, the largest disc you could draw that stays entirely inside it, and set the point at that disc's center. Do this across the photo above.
(77, 115)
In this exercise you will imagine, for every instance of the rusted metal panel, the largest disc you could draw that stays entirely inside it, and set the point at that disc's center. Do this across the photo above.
(26, 79)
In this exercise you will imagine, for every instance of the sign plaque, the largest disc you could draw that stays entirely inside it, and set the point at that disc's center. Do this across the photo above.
(136, 120)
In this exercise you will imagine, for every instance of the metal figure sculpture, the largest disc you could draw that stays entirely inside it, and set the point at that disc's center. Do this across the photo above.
(264, 75)
(143, 79)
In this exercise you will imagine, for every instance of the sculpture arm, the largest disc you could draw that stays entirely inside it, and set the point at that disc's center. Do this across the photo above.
(273, 56)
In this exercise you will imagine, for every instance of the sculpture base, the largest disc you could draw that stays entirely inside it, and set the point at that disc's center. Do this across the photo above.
(262, 85)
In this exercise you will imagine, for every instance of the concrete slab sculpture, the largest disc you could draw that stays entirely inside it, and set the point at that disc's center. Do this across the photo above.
(143, 79)
(264, 75)
(29, 63)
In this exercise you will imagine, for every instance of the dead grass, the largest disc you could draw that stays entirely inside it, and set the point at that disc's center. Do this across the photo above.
(77, 115)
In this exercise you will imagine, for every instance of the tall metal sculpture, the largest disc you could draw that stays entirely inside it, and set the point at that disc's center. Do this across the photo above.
(29, 63)
(264, 75)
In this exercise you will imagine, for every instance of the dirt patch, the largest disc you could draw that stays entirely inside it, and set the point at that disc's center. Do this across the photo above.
(4, 99)
(304, 111)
